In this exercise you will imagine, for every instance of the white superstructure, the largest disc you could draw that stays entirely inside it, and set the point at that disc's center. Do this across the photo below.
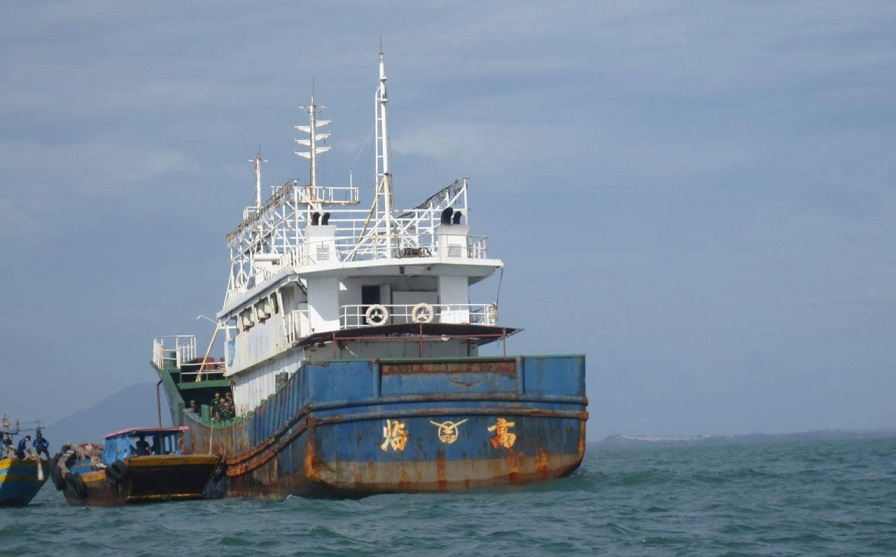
(314, 277)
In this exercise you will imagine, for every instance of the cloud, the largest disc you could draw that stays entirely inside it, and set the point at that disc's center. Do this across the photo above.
(46, 181)
(693, 172)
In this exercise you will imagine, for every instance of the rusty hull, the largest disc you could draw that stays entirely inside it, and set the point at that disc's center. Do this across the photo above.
(356, 428)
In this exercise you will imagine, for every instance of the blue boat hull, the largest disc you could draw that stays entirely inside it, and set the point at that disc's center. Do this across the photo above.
(20, 480)
(358, 427)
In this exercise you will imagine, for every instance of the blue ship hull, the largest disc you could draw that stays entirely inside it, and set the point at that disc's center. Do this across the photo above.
(361, 427)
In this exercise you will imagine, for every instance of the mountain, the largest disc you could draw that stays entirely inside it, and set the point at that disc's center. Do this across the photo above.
(133, 406)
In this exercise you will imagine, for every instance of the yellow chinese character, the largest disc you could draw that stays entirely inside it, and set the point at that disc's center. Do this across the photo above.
(503, 438)
(395, 434)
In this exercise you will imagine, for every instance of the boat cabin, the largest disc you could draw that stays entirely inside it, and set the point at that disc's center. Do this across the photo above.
(146, 441)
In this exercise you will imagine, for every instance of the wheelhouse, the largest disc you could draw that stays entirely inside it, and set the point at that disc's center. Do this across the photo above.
(124, 444)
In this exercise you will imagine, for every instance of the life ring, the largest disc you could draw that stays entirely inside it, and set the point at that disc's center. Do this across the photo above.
(376, 315)
(422, 313)
(76, 485)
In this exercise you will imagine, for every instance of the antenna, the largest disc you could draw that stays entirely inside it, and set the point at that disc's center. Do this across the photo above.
(382, 135)
(384, 176)
(258, 160)
(313, 136)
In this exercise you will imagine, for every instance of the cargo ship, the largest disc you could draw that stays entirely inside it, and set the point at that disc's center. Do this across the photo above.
(353, 360)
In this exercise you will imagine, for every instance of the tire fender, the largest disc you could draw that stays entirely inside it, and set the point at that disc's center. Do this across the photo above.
(75, 484)
(118, 471)
(56, 477)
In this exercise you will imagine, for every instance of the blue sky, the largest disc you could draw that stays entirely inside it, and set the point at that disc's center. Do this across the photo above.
(697, 195)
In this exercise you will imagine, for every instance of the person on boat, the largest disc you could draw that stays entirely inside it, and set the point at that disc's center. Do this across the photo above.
(23, 448)
(194, 407)
(217, 404)
(229, 411)
(7, 447)
(142, 446)
(41, 445)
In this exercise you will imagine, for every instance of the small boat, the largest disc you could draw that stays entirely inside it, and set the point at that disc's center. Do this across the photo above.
(21, 479)
(137, 465)
(21, 476)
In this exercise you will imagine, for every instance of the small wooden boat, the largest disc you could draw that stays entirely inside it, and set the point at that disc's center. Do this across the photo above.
(138, 465)
(21, 479)
(22, 474)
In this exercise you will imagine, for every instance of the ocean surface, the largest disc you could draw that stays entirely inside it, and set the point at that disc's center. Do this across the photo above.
(807, 498)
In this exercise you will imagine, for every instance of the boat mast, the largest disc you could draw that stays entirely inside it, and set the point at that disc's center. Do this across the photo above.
(383, 173)
(258, 160)
(311, 143)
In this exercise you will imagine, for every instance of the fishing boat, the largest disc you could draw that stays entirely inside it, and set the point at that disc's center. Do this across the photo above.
(354, 360)
(22, 475)
(137, 465)
(21, 479)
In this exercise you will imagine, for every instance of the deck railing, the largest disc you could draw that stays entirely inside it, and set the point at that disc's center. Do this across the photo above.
(298, 325)
(317, 252)
(204, 371)
(382, 314)
(172, 351)
(179, 352)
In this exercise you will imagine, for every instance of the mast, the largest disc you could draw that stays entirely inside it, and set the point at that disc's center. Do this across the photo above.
(313, 138)
(258, 160)
(384, 175)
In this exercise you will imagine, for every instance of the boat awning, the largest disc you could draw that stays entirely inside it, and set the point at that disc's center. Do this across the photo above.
(132, 431)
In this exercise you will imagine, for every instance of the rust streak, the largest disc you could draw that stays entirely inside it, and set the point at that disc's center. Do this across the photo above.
(541, 463)
(311, 461)
(440, 467)
(513, 467)
(254, 451)
(502, 366)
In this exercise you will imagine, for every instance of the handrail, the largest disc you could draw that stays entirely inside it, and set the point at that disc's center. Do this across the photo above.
(313, 252)
(172, 351)
(353, 316)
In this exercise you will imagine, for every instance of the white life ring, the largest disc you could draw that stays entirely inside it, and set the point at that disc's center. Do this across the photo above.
(376, 315)
(422, 313)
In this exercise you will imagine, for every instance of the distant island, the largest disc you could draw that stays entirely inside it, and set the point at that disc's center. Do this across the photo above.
(641, 441)
(133, 406)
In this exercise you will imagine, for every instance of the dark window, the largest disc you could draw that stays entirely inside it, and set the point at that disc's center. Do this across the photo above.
(370, 295)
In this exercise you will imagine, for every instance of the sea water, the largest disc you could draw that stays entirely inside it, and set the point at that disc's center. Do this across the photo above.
(808, 498)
